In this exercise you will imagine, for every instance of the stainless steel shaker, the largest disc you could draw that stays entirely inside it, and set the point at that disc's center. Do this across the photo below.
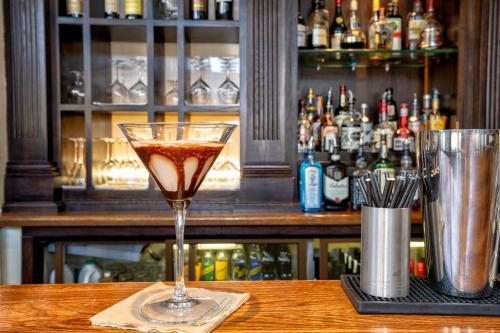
(460, 175)
(385, 251)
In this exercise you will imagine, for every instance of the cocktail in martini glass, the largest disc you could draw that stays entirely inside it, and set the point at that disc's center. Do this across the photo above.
(178, 156)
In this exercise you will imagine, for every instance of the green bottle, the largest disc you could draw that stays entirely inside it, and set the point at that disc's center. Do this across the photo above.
(207, 267)
(383, 165)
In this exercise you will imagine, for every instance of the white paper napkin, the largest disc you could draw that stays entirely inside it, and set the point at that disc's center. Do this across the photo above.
(125, 314)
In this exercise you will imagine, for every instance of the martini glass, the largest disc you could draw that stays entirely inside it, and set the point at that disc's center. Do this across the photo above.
(178, 158)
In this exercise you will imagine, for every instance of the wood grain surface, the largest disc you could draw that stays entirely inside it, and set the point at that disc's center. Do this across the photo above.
(275, 306)
(110, 219)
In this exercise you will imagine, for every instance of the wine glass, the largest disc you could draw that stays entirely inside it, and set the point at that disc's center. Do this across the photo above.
(118, 92)
(178, 166)
(111, 163)
(228, 92)
(172, 96)
(139, 91)
(76, 88)
(77, 174)
(200, 92)
(168, 9)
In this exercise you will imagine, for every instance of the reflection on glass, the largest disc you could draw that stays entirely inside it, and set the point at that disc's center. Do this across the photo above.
(119, 93)
(200, 92)
(139, 91)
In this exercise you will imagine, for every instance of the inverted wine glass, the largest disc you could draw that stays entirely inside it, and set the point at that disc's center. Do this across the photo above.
(178, 157)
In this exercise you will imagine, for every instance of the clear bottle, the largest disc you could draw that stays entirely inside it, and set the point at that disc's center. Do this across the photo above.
(414, 123)
(431, 36)
(385, 33)
(374, 28)
(351, 128)
(383, 127)
(336, 182)
(338, 27)
(301, 31)
(403, 134)
(304, 129)
(437, 121)
(342, 109)
(354, 37)
(111, 9)
(415, 26)
(330, 130)
(317, 26)
(359, 171)
(268, 263)
(284, 263)
(311, 177)
(238, 265)
(316, 125)
(254, 263)
(366, 127)
(392, 108)
(395, 23)
(221, 266)
(382, 164)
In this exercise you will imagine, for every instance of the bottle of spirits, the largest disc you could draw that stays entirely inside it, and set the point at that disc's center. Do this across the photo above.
(311, 182)
(342, 109)
(395, 23)
(284, 262)
(426, 111)
(374, 28)
(407, 168)
(267, 263)
(301, 31)
(133, 9)
(336, 182)
(383, 164)
(317, 27)
(74, 8)
(392, 108)
(337, 28)
(224, 10)
(383, 128)
(199, 9)
(313, 119)
(415, 25)
(366, 127)
(403, 134)
(359, 171)
(354, 37)
(414, 123)
(304, 129)
(437, 121)
(330, 129)
(111, 9)
(385, 32)
(431, 36)
(351, 128)
(316, 125)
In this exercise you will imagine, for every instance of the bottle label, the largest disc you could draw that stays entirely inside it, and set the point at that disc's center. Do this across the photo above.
(221, 270)
(391, 110)
(415, 27)
(336, 40)
(437, 123)
(356, 197)
(111, 6)
(388, 136)
(312, 191)
(74, 7)
(238, 271)
(207, 271)
(199, 5)
(414, 125)
(399, 143)
(133, 7)
(350, 138)
(254, 269)
(367, 128)
(336, 190)
(301, 36)
(329, 134)
(319, 37)
(396, 25)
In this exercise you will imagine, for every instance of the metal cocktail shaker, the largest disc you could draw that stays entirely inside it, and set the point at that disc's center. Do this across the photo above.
(460, 175)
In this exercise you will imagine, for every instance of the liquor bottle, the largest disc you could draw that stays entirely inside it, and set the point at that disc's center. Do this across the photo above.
(221, 266)
(74, 8)
(330, 129)
(317, 27)
(403, 134)
(301, 31)
(224, 10)
(354, 37)
(337, 28)
(385, 32)
(437, 121)
(254, 263)
(383, 127)
(366, 126)
(284, 263)
(374, 28)
(207, 267)
(414, 123)
(392, 108)
(267, 264)
(395, 23)
(359, 171)
(342, 109)
(383, 164)
(431, 36)
(133, 9)
(199, 9)
(415, 25)
(351, 128)
(111, 9)
(336, 182)
(238, 265)
(311, 176)
(426, 111)
(407, 168)
(304, 129)
(317, 123)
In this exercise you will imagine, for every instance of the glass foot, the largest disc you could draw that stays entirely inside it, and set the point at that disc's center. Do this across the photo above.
(159, 310)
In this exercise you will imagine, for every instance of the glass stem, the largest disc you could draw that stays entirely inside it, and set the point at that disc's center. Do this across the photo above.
(179, 208)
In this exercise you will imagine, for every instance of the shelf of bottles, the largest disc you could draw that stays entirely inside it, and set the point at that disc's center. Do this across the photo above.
(93, 263)
(236, 262)
(115, 76)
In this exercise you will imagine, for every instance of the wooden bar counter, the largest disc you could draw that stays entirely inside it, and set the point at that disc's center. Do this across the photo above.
(275, 306)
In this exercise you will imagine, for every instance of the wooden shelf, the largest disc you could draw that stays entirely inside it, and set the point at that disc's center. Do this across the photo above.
(211, 23)
(118, 22)
(212, 108)
(69, 20)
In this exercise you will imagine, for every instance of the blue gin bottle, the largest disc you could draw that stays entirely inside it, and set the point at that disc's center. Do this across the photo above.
(311, 178)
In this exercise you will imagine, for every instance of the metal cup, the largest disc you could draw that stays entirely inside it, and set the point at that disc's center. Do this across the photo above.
(460, 175)
(385, 251)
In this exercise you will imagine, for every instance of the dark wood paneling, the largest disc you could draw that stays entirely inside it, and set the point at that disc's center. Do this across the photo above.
(492, 107)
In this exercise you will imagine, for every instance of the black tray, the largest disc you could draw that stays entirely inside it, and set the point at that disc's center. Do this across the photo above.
(421, 300)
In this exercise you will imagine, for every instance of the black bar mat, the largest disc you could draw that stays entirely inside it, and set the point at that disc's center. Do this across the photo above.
(421, 300)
